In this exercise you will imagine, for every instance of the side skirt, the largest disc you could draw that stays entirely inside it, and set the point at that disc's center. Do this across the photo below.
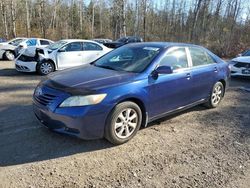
(182, 108)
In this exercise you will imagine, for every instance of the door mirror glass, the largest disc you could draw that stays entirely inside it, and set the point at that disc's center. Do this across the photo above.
(164, 70)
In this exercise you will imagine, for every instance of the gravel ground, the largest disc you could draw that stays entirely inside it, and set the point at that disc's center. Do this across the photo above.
(195, 148)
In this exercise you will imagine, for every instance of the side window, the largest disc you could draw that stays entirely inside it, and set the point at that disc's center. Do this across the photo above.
(88, 46)
(44, 42)
(200, 57)
(31, 42)
(72, 47)
(176, 58)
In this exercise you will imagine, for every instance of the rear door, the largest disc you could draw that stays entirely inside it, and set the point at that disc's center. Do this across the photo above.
(204, 73)
(70, 55)
(91, 51)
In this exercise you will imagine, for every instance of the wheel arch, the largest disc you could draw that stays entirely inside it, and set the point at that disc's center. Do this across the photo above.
(44, 60)
(141, 105)
(224, 84)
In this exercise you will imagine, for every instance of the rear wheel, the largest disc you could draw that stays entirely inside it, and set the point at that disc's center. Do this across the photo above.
(45, 68)
(9, 55)
(216, 95)
(123, 123)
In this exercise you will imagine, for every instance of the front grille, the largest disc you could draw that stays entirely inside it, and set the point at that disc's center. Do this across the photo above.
(43, 97)
(240, 65)
(22, 68)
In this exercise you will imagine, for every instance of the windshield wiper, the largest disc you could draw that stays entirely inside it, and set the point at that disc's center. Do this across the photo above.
(105, 67)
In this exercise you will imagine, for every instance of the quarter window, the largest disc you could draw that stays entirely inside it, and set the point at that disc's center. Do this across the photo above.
(88, 46)
(176, 58)
(200, 57)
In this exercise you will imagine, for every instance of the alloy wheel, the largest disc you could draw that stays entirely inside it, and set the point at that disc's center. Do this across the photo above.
(126, 123)
(217, 94)
(9, 55)
(46, 68)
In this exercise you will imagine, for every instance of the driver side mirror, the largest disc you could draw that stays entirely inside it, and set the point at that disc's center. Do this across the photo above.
(161, 70)
(61, 50)
(164, 70)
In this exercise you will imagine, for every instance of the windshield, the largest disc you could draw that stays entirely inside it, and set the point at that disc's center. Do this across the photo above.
(16, 42)
(128, 58)
(56, 45)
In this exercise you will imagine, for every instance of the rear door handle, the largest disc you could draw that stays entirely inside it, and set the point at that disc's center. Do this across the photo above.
(188, 76)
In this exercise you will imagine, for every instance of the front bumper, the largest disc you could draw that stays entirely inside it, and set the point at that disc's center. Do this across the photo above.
(83, 122)
(239, 71)
(22, 66)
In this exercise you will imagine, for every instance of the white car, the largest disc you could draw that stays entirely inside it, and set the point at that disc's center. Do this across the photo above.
(240, 66)
(32, 42)
(60, 55)
(7, 49)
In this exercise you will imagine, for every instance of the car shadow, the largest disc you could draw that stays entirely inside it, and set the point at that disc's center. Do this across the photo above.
(23, 139)
(13, 72)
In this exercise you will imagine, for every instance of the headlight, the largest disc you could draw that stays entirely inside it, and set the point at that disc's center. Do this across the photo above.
(82, 100)
(232, 62)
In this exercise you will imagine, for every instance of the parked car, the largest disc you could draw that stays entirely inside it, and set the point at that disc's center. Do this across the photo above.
(60, 55)
(2, 40)
(7, 49)
(240, 66)
(122, 41)
(102, 41)
(127, 88)
(245, 53)
(32, 42)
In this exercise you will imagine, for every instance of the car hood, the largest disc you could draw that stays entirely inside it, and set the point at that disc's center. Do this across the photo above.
(7, 47)
(243, 59)
(87, 78)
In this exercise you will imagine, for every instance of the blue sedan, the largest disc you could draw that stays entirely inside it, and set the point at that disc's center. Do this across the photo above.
(128, 88)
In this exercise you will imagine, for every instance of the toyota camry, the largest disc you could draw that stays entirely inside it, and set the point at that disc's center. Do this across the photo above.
(129, 87)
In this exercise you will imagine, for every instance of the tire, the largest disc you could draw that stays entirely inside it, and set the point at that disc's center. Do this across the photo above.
(9, 55)
(123, 123)
(216, 95)
(45, 68)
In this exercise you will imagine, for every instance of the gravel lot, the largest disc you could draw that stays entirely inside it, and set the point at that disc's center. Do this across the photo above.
(196, 148)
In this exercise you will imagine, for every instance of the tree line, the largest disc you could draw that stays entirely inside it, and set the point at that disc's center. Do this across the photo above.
(221, 25)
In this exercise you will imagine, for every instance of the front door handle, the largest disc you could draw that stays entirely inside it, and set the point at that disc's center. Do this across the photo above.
(188, 76)
(215, 69)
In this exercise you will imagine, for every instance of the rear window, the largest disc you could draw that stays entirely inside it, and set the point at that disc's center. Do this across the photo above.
(44, 42)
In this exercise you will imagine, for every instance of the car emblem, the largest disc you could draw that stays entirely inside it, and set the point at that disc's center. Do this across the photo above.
(39, 91)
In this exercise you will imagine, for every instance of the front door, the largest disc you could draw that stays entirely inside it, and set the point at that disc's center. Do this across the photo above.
(171, 91)
(70, 55)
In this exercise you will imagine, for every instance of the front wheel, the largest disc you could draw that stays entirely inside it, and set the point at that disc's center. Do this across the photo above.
(216, 95)
(9, 55)
(123, 123)
(45, 68)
